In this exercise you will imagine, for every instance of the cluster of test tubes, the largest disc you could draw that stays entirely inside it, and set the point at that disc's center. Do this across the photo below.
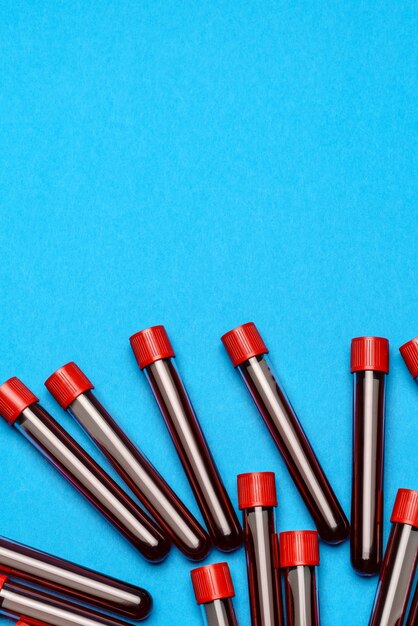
(39, 589)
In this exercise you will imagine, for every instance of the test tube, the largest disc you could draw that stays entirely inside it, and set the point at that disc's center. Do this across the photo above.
(153, 352)
(73, 580)
(299, 556)
(19, 406)
(19, 601)
(214, 591)
(409, 352)
(73, 391)
(369, 366)
(246, 349)
(412, 619)
(257, 499)
(399, 563)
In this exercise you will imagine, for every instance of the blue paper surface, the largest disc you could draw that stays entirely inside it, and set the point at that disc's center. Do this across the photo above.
(202, 165)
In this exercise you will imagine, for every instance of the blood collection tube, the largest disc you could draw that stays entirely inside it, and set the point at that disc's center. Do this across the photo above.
(73, 391)
(153, 352)
(246, 350)
(214, 591)
(409, 352)
(73, 580)
(257, 499)
(35, 606)
(299, 556)
(399, 563)
(369, 366)
(412, 619)
(19, 406)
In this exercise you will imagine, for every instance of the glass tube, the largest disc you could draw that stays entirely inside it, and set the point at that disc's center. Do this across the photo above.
(72, 389)
(154, 353)
(299, 555)
(18, 601)
(412, 619)
(214, 591)
(18, 405)
(246, 350)
(257, 500)
(399, 563)
(79, 582)
(369, 365)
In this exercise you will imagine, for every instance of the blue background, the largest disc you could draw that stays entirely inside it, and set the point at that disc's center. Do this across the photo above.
(201, 165)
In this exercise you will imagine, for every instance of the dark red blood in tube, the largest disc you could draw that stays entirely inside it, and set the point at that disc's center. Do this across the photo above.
(18, 601)
(413, 611)
(73, 580)
(409, 352)
(299, 556)
(214, 591)
(369, 365)
(72, 389)
(18, 405)
(246, 350)
(153, 352)
(257, 499)
(399, 563)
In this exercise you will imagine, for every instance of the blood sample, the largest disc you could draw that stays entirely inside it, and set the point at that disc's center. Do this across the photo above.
(369, 365)
(412, 619)
(246, 350)
(409, 352)
(72, 389)
(299, 556)
(257, 499)
(35, 606)
(214, 591)
(399, 563)
(73, 580)
(19, 406)
(153, 352)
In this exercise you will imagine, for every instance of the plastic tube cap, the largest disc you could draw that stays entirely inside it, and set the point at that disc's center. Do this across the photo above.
(243, 342)
(299, 547)
(212, 582)
(256, 489)
(15, 397)
(370, 353)
(405, 509)
(67, 383)
(150, 345)
(2, 581)
(409, 352)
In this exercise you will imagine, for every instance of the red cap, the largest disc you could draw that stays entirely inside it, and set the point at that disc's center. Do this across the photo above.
(243, 342)
(15, 397)
(151, 344)
(409, 352)
(299, 547)
(405, 509)
(212, 582)
(2, 581)
(256, 489)
(67, 383)
(370, 353)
